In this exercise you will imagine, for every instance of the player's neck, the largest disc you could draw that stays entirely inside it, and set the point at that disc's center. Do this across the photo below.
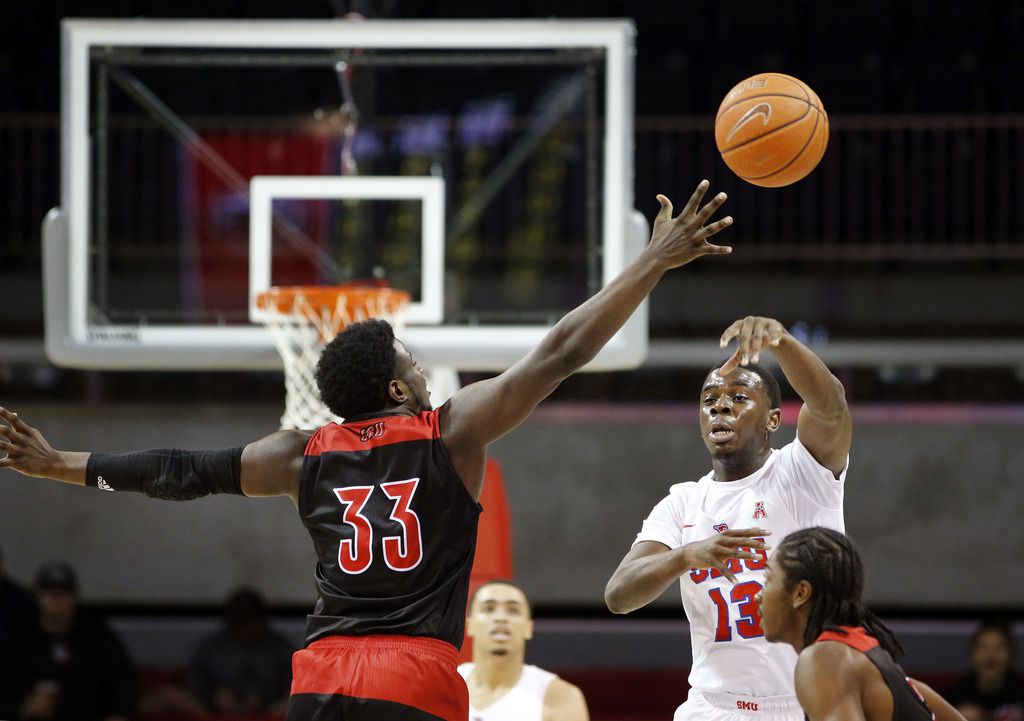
(742, 463)
(494, 672)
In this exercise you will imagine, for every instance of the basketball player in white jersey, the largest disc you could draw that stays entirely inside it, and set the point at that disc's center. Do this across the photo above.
(712, 535)
(501, 686)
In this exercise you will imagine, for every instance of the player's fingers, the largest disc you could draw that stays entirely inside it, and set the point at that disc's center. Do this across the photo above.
(746, 532)
(730, 365)
(712, 249)
(694, 201)
(13, 421)
(717, 227)
(724, 570)
(666, 207)
(729, 334)
(746, 332)
(747, 555)
(705, 213)
(762, 342)
(753, 328)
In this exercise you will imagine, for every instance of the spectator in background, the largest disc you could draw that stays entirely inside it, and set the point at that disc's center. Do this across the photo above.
(993, 690)
(70, 666)
(17, 606)
(246, 667)
(17, 612)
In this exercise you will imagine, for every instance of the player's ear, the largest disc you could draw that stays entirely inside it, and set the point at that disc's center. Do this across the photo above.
(398, 391)
(774, 419)
(801, 593)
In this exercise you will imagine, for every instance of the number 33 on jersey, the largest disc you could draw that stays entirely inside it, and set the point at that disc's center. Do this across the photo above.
(402, 552)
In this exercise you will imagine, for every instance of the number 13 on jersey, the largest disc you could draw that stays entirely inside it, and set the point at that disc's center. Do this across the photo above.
(402, 552)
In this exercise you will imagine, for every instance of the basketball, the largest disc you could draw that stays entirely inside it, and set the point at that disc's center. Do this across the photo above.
(771, 130)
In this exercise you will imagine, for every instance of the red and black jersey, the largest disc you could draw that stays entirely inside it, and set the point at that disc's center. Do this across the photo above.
(907, 702)
(393, 526)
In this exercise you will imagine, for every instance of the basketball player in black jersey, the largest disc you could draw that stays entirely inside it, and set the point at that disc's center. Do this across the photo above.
(389, 497)
(845, 671)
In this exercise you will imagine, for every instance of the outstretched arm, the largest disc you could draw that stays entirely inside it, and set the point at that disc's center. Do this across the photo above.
(270, 466)
(483, 412)
(824, 426)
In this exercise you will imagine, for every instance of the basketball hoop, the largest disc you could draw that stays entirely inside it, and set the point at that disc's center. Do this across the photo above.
(303, 319)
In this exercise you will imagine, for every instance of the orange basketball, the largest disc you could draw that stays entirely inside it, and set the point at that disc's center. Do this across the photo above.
(771, 130)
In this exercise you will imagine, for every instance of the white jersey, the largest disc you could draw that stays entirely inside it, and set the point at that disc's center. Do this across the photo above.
(791, 491)
(523, 702)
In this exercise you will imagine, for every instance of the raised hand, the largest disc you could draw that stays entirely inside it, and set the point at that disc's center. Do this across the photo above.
(679, 240)
(26, 451)
(715, 552)
(754, 334)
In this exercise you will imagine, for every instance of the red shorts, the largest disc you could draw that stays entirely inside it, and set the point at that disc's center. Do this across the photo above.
(403, 678)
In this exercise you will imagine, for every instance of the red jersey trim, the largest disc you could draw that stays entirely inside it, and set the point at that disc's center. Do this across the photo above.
(374, 433)
(413, 671)
(855, 637)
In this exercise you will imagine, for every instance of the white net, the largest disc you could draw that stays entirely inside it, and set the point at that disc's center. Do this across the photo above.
(302, 320)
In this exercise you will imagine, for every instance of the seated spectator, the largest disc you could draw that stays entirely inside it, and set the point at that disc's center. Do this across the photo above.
(17, 606)
(69, 666)
(243, 669)
(17, 612)
(992, 691)
(246, 667)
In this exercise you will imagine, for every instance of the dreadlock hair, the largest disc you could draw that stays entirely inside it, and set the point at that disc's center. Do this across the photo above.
(768, 381)
(355, 368)
(828, 561)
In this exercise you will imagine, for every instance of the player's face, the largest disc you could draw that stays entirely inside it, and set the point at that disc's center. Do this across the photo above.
(411, 373)
(499, 621)
(734, 412)
(775, 604)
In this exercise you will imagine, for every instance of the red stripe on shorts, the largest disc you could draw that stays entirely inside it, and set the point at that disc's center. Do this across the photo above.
(413, 671)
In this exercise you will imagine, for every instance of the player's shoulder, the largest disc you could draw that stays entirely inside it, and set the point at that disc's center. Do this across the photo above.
(827, 671)
(685, 489)
(564, 700)
(826, 657)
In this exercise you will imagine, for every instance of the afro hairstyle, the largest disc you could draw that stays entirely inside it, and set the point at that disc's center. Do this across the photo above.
(355, 368)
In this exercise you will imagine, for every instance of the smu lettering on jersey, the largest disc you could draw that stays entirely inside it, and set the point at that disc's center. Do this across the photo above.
(522, 702)
(393, 526)
(789, 492)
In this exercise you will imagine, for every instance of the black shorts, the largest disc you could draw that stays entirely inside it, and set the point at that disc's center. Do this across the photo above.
(363, 678)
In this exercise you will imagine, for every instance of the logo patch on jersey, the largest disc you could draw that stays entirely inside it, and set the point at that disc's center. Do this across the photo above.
(102, 484)
(759, 510)
(375, 430)
(721, 527)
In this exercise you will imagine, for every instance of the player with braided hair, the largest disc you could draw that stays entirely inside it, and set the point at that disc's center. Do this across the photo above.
(845, 670)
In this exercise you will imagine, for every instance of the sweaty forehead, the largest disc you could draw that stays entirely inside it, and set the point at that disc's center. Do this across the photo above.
(739, 377)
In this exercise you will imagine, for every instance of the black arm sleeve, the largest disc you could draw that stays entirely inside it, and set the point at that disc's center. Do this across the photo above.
(168, 474)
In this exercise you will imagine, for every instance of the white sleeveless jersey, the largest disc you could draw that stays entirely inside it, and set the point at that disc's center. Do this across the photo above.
(523, 702)
(791, 491)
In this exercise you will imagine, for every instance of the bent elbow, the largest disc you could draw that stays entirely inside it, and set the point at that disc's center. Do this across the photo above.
(614, 601)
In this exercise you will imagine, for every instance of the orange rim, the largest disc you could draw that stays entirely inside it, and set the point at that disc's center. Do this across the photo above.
(319, 297)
